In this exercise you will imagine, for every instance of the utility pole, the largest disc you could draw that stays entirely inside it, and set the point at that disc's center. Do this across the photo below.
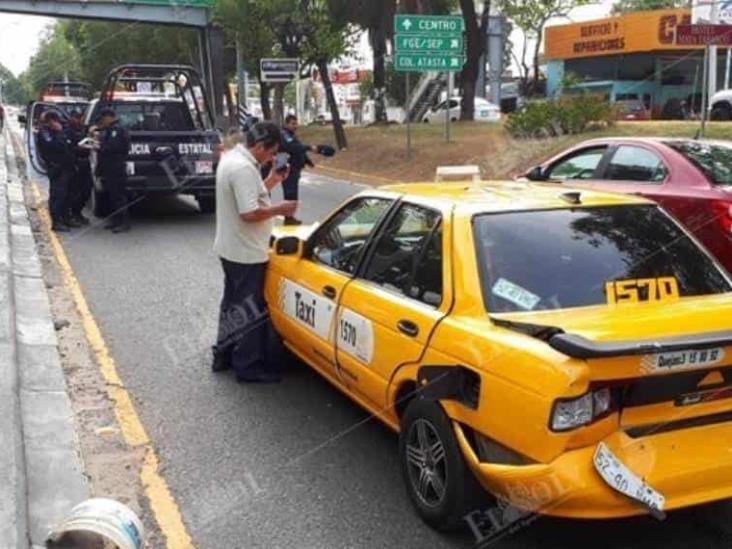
(714, 19)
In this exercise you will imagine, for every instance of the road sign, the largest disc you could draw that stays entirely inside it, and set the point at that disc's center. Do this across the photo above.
(417, 62)
(406, 43)
(429, 24)
(279, 70)
(704, 35)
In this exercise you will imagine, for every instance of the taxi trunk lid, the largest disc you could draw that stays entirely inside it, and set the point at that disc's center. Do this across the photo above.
(668, 364)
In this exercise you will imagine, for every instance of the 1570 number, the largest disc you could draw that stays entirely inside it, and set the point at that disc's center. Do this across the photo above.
(642, 289)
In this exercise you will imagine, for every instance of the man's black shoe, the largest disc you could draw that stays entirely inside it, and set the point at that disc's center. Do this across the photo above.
(72, 223)
(60, 228)
(80, 219)
(121, 229)
(110, 225)
(293, 221)
(220, 364)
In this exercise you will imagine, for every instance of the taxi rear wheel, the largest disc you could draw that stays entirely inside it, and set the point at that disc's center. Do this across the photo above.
(439, 483)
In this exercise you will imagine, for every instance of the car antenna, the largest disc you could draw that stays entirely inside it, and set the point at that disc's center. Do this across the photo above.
(573, 197)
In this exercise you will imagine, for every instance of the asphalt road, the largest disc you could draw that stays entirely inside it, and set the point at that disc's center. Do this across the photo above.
(290, 465)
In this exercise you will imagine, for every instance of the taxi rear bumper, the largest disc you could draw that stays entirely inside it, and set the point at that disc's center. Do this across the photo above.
(688, 467)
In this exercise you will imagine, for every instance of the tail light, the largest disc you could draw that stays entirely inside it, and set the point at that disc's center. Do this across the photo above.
(723, 213)
(569, 414)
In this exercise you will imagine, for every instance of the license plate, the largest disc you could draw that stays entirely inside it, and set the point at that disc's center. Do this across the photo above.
(204, 167)
(130, 168)
(623, 480)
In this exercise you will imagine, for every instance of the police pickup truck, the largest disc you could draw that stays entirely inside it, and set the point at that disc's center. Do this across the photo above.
(174, 146)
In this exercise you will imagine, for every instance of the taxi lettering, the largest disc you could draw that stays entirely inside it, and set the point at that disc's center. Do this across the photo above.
(305, 311)
(642, 289)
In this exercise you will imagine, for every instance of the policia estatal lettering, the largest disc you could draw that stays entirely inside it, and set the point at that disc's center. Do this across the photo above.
(113, 150)
(57, 153)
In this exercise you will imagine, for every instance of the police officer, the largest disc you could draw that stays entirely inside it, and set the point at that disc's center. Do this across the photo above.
(58, 154)
(81, 185)
(299, 158)
(112, 167)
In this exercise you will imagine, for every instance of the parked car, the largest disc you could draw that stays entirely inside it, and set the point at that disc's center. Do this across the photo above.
(557, 346)
(720, 105)
(691, 179)
(485, 111)
(631, 109)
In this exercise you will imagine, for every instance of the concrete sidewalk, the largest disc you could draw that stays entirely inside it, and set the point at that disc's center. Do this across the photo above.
(41, 475)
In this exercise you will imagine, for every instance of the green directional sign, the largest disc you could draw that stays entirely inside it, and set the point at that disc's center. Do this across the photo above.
(429, 24)
(407, 43)
(418, 62)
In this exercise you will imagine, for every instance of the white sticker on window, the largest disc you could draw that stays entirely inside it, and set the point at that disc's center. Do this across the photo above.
(310, 310)
(356, 336)
(515, 294)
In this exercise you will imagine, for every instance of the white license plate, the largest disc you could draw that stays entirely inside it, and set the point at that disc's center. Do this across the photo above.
(623, 480)
(130, 168)
(204, 167)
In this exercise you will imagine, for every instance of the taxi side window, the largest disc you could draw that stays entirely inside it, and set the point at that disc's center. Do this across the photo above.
(635, 164)
(340, 242)
(408, 255)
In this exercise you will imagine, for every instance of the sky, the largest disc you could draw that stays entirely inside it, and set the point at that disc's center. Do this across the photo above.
(20, 34)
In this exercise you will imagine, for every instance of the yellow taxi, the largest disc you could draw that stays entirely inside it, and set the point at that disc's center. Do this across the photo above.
(569, 351)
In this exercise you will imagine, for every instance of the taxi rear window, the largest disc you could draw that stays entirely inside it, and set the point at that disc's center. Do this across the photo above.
(555, 259)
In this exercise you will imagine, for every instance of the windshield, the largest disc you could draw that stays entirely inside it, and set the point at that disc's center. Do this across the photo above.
(152, 117)
(714, 160)
(555, 259)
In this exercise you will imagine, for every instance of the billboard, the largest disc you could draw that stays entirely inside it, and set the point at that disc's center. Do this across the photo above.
(635, 32)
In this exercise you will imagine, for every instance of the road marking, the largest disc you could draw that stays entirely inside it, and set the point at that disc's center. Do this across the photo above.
(164, 507)
(355, 175)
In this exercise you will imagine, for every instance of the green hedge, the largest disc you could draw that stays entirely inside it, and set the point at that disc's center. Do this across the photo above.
(572, 113)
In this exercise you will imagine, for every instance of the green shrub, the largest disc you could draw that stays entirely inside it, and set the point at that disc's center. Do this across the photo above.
(573, 113)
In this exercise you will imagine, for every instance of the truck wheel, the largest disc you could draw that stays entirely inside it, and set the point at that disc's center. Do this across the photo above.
(721, 113)
(439, 483)
(207, 204)
(100, 203)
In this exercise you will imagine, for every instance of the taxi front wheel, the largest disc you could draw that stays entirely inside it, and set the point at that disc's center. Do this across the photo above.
(439, 483)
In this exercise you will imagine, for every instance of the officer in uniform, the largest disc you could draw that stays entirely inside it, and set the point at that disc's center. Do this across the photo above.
(81, 185)
(298, 152)
(58, 154)
(112, 167)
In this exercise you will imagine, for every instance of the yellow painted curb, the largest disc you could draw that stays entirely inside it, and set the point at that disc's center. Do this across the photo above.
(163, 504)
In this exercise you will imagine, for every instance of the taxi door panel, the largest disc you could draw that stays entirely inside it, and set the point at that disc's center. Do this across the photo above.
(308, 289)
(386, 316)
(305, 314)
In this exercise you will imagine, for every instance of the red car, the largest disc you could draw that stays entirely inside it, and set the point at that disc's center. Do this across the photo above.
(690, 179)
(631, 109)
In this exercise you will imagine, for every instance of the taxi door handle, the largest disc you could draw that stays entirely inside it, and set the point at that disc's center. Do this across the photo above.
(329, 292)
(407, 327)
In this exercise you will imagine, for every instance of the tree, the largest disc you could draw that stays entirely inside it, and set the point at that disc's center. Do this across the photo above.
(531, 16)
(101, 46)
(56, 59)
(244, 24)
(377, 18)
(475, 33)
(317, 33)
(625, 6)
(12, 88)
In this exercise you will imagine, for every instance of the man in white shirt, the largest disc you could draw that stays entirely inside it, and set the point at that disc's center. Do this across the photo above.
(244, 220)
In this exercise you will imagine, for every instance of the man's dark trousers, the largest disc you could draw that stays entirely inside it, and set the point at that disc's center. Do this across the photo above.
(244, 339)
(116, 186)
(291, 185)
(81, 187)
(58, 193)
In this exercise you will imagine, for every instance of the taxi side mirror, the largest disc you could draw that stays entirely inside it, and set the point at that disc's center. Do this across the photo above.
(535, 174)
(288, 245)
(22, 119)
